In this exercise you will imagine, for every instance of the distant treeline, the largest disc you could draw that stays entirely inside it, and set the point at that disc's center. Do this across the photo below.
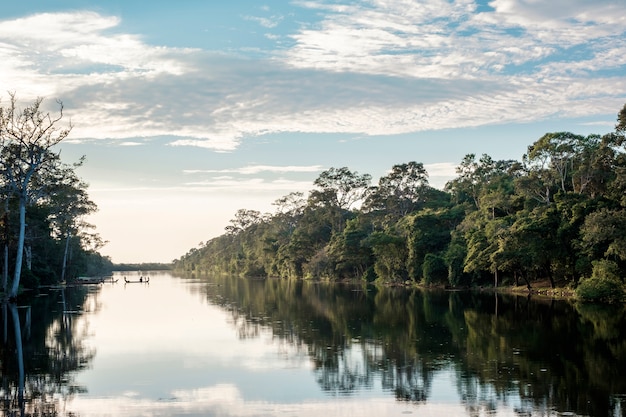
(558, 214)
(151, 266)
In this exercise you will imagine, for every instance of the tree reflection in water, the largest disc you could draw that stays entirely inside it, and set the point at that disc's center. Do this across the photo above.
(542, 356)
(39, 357)
(487, 351)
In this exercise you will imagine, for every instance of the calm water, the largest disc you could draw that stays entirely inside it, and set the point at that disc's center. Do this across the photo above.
(202, 346)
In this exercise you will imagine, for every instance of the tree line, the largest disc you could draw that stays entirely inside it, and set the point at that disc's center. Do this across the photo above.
(43, 202)
(557, 215)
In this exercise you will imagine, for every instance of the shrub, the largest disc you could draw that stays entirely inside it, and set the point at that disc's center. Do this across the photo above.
(434, 269)
(604, 285)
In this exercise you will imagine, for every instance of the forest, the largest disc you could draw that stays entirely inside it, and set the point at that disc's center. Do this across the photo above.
(43, 203)
(558, 215)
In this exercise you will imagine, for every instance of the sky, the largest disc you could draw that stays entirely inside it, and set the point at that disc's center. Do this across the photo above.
(187, 111)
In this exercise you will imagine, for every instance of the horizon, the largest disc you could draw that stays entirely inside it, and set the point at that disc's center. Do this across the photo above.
(188, 112)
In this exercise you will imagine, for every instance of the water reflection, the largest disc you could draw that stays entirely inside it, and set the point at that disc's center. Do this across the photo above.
(542, 356)
(239, 347)
(40, 351)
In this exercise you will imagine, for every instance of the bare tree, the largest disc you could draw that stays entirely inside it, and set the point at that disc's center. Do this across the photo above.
(26, 139)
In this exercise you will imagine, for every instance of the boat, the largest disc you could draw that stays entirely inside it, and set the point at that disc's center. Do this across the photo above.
(141, 280)
(88, 280)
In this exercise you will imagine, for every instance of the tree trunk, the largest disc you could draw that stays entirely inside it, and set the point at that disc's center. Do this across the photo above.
(5, 324)
(527, 282)
(551, 277)
(5, 232)
(20, 249)
(28, 251)
(20, 355)
(67, 245)
(5, 268)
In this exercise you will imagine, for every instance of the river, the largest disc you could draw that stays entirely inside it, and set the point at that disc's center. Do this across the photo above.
(217, 346)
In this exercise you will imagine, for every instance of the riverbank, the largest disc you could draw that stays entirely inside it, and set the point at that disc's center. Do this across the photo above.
(543, 289)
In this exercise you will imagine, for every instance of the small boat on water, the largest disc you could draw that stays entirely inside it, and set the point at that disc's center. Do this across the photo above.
(88, 280)
(141, 280)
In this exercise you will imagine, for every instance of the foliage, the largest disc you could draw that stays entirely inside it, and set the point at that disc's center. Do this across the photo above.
(557, 214)
(604, 284)
(434, 269)
(44, 236)
(390, 256)
(149, 266)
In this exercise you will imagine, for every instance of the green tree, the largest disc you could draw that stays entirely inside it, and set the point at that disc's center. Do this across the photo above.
(340, 187)
(567, 162)
(556, 152)
(390, 256)
(400, 192)
(454, 257)
(620, 127)
(533, 239)
(604, 284)
(289, 209)
(434, 269)
(429, 232)
(243, 220)
(604, 234)
(68, 203)
(349, 249)
(474, 176)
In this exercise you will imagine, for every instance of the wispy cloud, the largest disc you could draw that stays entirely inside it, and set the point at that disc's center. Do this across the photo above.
(440, 173)
(454, 40)
(369, 68)
(250, 185)
(441, 169)
(240, 181)
(256, 169)
(266, 22)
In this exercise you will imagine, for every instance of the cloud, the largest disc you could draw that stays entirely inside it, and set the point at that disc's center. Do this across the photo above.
(452, 40)
(251, 185)
(255, 169)
(232, 183)
(266, 22)
(441, 169)
(74, 46)
(440, 173)
(366, 68)
(230, 400)
(564, 20)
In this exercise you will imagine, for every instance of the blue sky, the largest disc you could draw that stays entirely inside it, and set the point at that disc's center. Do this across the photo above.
(187, 111)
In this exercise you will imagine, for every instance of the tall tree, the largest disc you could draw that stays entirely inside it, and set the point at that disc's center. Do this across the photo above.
(68, 202)
(340, 187)
(475, 178)
(401, 191)
(26, 138)
(620, 128)
(556, 152)
(243, 220)
(349, 249)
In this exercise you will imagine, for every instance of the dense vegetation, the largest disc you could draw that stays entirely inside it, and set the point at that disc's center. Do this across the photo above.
(559, 214)
(146, 266)
(43, 235)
